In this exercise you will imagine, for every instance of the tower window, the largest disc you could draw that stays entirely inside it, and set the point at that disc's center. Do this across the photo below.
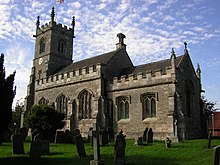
(42, 45)
(148, 101)
(61, 46)
(123, 107)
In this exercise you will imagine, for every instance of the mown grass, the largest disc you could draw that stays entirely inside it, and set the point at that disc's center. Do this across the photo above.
(193, 152)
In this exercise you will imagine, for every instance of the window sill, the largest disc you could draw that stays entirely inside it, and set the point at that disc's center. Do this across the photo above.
(124, 120)
(150, 119)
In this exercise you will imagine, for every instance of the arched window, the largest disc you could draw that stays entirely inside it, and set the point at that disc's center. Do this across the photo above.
(62, 104)
(43, 101)
(42, 45)
(148, 101)
(61, 46)
(85, 110)
(123, 107)
(189, 98)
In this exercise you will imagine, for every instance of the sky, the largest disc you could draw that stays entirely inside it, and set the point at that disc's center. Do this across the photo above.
(152, 29)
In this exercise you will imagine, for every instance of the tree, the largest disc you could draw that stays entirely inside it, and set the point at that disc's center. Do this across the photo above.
(16, 115)
(46, 120)
(7, 93)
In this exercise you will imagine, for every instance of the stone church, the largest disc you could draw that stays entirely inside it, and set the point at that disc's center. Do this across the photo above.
(162, 95)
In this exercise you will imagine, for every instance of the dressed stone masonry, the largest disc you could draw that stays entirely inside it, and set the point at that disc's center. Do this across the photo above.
(163, 95)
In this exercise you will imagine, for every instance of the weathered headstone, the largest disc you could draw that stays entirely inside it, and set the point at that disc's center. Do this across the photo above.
(216, 155)
(139, 141)
(35, 151)
(59, 136)
(104, 137)
(80, 146)
(96, 146)
(120, 144)
(18, 144)
(168, 142)
(145, 135)
(150, 136)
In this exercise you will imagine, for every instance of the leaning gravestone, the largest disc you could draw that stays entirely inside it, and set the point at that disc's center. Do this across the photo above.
(18, 144)
(145, 135)
(216, 155)
(80, 146)
(150, 136)
(39, 137)
(168, 142)
(120, 144)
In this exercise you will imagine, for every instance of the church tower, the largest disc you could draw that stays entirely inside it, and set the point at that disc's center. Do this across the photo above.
(53, 47)
(53, 51)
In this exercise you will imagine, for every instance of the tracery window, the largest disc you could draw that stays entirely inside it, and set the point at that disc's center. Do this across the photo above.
(43, 101)
(61, 46)
(62, 104)
(123, 107)
(85, 110)
(42, 45)
(189, 98)
(148, 101)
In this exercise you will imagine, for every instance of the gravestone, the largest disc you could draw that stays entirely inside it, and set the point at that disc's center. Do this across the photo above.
(18, 144)
(39, 137)
(209, 139)
(168, 142)
(90, 137)
(35, 151)
(139, 141)
(216, 155)
(24, 132)
(145, 135)
(68, 137)
(150, 136)
(45, 147)
(76, 132)
(96, 146)
(7, 135)
(119, 149)
(33, 134)
(59, 136)
(80, 146)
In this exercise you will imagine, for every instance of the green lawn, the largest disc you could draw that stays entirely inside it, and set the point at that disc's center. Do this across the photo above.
(193, 152)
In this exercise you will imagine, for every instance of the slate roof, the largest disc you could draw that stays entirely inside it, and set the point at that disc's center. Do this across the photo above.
(150, 67)
(106, 57)
(102, 59)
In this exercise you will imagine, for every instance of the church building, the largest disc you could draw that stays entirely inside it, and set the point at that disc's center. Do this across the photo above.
(163, 95)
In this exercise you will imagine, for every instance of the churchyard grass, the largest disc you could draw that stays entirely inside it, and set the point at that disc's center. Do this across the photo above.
(192, 152)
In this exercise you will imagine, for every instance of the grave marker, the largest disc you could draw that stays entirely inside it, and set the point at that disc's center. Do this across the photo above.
(120, 144)
(18, 144)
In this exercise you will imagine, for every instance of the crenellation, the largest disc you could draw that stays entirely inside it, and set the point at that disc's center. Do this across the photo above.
(139, 75)
(84, 70)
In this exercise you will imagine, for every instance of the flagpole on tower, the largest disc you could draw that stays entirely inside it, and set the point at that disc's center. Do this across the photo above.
(58, 2)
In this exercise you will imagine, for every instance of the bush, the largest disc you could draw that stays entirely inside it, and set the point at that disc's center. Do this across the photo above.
(46, 120)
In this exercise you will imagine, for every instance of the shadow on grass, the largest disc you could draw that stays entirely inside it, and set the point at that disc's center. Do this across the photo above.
(108, 159)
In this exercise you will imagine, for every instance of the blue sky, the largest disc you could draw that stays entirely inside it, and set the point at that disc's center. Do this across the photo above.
(152, 29)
